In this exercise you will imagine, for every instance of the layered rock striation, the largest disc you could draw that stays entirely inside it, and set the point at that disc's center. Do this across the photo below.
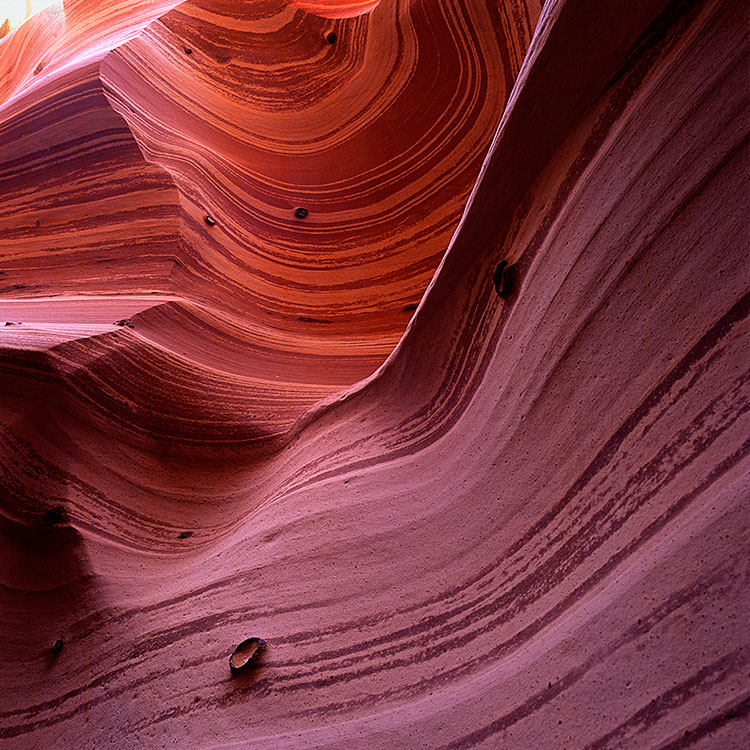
(408, 337)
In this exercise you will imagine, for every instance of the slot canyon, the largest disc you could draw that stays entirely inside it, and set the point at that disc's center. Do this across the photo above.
(372, 374)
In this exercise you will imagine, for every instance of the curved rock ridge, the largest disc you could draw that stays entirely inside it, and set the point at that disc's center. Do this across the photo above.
(336, 8)
(256, 115)
(247, 114)
(527, 527)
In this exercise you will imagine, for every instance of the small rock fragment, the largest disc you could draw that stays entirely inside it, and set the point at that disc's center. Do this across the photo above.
(246, 654)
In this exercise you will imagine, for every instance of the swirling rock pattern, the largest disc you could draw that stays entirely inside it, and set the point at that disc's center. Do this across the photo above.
(514, 520)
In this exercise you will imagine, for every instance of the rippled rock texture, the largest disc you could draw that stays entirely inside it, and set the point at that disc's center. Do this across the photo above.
(409, 337)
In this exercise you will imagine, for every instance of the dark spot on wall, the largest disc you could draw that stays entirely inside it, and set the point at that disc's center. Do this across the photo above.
(310, 319)
(504, 279)
(246, 655)
(55, 516)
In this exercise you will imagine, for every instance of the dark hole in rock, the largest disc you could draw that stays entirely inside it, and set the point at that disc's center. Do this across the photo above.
(210, 221)
(188, 51)
(331, 37)
(55, 516)
(11, 323)
(246, 654)
(123, 323)
(301, 213)
(503, 279)
(39, 68)
(57, 645)
(411, 308)
(185, 535)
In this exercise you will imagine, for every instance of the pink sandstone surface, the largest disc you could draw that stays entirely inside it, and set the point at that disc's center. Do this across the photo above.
(458, 518)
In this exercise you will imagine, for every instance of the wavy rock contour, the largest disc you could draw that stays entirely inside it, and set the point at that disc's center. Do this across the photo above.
(408, 337)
